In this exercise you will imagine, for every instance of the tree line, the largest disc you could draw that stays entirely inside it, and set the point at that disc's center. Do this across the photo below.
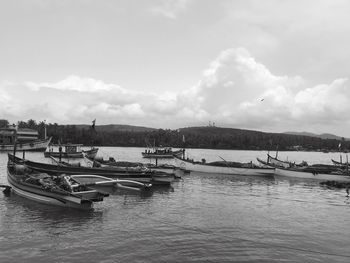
(191, 137)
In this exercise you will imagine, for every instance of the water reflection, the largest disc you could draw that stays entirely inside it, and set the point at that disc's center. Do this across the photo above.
(32, 211)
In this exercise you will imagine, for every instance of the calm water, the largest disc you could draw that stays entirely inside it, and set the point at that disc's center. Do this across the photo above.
(202, 217)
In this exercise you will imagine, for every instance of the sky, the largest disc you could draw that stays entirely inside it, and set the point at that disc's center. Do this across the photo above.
(272, 65)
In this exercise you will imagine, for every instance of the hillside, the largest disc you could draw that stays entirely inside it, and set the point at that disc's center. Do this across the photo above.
(230, 138)
(195, 137)
(116, 127)
(322, 136)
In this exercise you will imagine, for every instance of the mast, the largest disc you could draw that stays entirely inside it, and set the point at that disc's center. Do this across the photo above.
(45, 130)
(15, 141)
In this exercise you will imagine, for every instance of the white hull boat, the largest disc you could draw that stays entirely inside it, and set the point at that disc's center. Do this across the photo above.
(299, 173)
(245, 169)
(35, 145)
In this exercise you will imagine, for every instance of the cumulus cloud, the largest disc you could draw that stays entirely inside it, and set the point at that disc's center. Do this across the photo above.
(235, 90)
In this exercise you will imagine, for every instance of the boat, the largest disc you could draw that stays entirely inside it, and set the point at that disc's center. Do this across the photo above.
(112, 163)
(161, 152)
(136, 166)
(275, 163)
(70, 151)
(323, 172)
(61, 190)
(155, 178)
(100, 183)
(26, 140)
(315, 172)
(223, 167)
(340, 163)
(168, 168)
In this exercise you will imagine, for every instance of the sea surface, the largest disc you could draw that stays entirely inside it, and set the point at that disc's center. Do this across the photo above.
(200, 218)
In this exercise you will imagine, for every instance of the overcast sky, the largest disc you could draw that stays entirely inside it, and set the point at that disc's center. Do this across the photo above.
(272, 65)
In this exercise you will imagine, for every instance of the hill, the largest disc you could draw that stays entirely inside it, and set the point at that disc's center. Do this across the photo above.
(195, 137)
(231, 138)
(322, 136)
(117, 127)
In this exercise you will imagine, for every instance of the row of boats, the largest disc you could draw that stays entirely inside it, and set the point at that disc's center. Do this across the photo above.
(73, 185)
(273, 166)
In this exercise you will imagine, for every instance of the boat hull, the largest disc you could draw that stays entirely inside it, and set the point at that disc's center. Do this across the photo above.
(111, 172)
(46, 197)
(309, 175)
(205, 168)
(37, 145)
(168, 155)
(90, 153)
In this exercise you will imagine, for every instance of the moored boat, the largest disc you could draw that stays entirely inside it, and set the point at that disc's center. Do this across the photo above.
(224, 167)
(161, 153)
(101, 183)
(136, 166)
(314, 172)
(22, 139)
(59, 190)
(340, 163)
(70, 151)
(111, 172)
(275, 163)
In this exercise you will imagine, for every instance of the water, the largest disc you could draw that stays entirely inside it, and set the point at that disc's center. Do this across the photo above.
(203, 217)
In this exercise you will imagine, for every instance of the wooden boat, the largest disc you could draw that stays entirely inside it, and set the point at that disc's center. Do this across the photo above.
(24, 139)
(343, 164)
(161, 152)
(53, 190)
(275, 163)
(35, 145)
(223, 167)
(168, 168)
(314, 172)
(112, 163)
(136, 166)
(110, 172)
(302, 170)
(100, 183)
(70, 151)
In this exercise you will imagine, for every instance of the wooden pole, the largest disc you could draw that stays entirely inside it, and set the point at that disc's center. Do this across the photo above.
(15, 143)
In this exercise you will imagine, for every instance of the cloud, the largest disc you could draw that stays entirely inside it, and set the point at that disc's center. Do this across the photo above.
(78, 100)
(235, 90)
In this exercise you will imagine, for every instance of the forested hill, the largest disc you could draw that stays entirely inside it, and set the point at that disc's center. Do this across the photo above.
(191, 137)
(117, 128)
(194, 137)
(229, 138)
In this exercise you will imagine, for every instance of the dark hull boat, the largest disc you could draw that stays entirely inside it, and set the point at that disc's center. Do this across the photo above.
(52, 190)
(136, 166)
(161, 153)
(151, 177)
